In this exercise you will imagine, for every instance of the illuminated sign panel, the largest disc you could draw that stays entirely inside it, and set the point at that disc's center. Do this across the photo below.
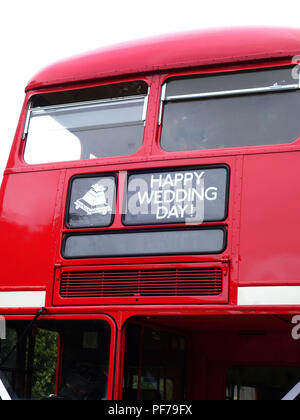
(186, 196)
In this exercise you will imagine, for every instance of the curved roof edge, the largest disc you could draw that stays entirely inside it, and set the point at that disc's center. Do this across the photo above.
(180, 50)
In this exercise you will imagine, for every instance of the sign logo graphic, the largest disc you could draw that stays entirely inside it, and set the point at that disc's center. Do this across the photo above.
(94, 201)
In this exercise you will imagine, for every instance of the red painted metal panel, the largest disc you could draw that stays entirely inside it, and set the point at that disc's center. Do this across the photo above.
(196, 48)
(28, 229)
(270, 229)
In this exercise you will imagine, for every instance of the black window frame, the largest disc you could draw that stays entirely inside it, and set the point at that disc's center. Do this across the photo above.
(69, 194)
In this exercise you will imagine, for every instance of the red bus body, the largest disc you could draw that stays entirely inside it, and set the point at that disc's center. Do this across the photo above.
(250, 321)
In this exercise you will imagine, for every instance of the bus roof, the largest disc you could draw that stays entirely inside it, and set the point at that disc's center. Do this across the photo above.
(181, 50)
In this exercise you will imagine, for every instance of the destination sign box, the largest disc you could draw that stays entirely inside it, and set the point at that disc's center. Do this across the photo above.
(193, 195)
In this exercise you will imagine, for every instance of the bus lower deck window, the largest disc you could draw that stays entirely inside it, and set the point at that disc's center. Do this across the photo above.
(57, 359)
(92, 123)
(248, 108)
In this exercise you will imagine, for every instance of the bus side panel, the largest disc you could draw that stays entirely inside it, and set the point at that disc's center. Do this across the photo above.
(27, 212)
(270, 219)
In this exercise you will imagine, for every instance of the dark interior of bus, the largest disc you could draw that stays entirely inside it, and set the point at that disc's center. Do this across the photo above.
(165, 358)
(65, 360)
(212, 358)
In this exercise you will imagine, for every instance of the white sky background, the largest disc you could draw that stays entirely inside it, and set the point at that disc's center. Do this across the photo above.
(35, 33)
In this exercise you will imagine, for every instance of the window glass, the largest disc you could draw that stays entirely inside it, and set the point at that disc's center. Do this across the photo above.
(88, 129)
(65, 360)
(214, 121)
(145, 243)
(44, 363)
(146, 377)
(85, 361)
(219, 82)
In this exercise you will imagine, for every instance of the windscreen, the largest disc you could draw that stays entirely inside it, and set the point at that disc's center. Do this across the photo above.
(55, 360)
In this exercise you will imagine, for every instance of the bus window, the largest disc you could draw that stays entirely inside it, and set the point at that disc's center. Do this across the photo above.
(65, 360)
(248, 108)
(260, 382)
(154, 366)
(86, 125)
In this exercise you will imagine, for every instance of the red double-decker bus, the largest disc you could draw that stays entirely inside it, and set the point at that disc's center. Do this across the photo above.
(150, 222)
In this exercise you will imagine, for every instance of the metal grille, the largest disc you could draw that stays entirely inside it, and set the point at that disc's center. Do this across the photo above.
(134, 283)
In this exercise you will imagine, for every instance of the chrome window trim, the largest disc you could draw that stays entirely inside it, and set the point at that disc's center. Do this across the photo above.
(274, 88)
(162, 99)
(145, 109)
(234, 92)
(85, 105)
(26, 125)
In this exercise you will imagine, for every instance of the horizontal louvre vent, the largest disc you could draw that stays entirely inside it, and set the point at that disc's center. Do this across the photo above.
(142, 283)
